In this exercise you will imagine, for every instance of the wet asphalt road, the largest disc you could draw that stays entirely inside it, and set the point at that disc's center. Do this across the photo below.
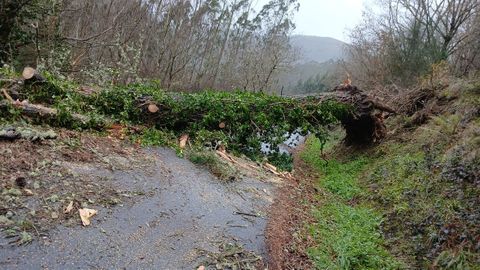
(185, 212)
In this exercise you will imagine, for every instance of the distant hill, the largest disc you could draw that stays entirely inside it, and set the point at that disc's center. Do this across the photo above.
(293, 82)
(317, 61)
(318, 49)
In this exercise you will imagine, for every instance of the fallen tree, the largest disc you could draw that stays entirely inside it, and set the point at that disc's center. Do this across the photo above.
(365, 123)
(241, 121)
(41, 112)
(17, 93)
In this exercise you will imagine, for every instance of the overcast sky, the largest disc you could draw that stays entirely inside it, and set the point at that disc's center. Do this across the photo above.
(327, 18)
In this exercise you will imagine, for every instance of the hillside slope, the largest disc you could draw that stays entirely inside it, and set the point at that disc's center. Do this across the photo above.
(409, 202)
(318, 49)
(317, 61)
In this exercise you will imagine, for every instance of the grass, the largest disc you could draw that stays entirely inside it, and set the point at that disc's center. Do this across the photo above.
(349, 239)
(410, 202)
(347, 235)
(341, 178)
(430, 216)
(213, 163)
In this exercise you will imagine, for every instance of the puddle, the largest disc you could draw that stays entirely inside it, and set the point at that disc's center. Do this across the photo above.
(291, 142)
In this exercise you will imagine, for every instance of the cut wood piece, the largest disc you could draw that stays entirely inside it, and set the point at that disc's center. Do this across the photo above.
(225, 156)
(183, 141)
(152, 108)
(269, 167)
(69, 208)
(86, 214)
(45, 113)
(347, 81)
(30, 74)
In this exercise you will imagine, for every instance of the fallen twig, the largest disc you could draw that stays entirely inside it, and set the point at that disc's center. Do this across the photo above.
(246, 214)
(238, 226)
(7, 96)
(9, 80)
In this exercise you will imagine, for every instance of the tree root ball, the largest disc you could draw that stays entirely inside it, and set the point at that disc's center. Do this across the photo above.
(365, 124)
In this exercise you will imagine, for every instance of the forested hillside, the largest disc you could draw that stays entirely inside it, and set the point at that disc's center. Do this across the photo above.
(317, 65)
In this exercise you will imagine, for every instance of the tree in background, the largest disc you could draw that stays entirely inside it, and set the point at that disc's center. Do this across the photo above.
(19, 24)
(10, 11)
(315, 84)
(467, 58)
(184, 44)
(409, 36)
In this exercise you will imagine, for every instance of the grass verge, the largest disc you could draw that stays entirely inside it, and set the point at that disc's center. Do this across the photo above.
(347, 234)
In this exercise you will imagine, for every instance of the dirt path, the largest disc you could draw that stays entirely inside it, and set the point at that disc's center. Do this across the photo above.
(286, 238)
(184, 213)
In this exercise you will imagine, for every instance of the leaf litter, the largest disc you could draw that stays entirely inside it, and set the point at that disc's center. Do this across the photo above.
(39, 185)
(231, 257)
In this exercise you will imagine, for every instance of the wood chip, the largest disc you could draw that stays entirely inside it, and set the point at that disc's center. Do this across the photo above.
(7, 96)
(28, 192)
(86, 214)
(69, 208)
(183, 141)
(152, 108)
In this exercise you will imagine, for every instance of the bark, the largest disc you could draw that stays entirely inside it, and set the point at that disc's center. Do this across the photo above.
(12, 95)
(40, 112)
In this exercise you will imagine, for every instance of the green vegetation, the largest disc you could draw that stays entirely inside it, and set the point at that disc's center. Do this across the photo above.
(216, 165)
(349, 239)
(333, 170)
(428, 196)
(240, 121)
(410, 202)
(346, 234)
(155, 137)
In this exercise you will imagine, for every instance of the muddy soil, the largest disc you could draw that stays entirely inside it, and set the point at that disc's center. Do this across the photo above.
(179, 213)
(287, 238)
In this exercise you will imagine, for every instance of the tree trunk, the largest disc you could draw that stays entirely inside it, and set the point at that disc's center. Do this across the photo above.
(31, 75)
(9, 10)
(41, 112)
